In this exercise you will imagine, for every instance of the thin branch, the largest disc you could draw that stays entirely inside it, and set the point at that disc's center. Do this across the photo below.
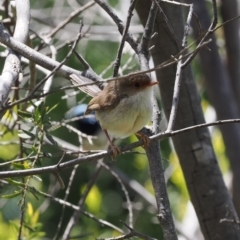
(69, 18)
(67, 204)
(129, 235)
(143, 51)
(64, 70)
(48, 81)
(82, 60)
(168, 24)
(208, 33)
(74, 219)
(124, 36)
(176, 3)
(65, 199)
(97, 156)
(129, 204)
(61, 63)
(24, 191)
(137, 234)
(176, 91)
(126, 236)
(119, 23)
(33, 55)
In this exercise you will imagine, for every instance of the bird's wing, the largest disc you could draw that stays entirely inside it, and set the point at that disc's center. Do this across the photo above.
(105, 100)
(91, 90)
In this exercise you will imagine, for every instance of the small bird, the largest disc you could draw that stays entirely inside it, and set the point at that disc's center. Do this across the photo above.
(123, 107)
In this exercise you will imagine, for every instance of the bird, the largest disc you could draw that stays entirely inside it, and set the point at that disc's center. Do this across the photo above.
(123, 107)
(88, 125)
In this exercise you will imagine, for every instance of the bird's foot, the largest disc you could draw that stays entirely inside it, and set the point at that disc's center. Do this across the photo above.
(144, 138)
(115, 150)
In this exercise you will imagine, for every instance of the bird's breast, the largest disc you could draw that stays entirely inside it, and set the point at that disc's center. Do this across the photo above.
(129, 116)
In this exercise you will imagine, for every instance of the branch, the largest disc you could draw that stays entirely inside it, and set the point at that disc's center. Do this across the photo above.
(143, 51)
(12, 65)
(119, 23)
(35, 56)
(65, 71)
(124, 36)
(67, 204)
(97, 156)
(153, 150)
(177, 85)
(208, 33)
(129, 204)
(74, 218)
(69, 18)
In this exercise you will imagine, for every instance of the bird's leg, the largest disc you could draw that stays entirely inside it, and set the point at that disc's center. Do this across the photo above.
(115, 149)
(144, 138)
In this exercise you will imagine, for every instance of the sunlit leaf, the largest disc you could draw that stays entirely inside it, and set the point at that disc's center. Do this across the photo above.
(93, 200)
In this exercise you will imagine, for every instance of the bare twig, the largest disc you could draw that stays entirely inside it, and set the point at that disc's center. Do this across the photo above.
(129, 204)
(94, 157)
(82, 60)
(168, 24)
(74, 219)
(61, 64)
(33, 55)
(119, 23)
(67, 204)
(64, 70)
(137, 234)
(208, 33)
(124, 35)
(176, 91)
(129, 235)
(24, 192)
(143, 51)
(65, 199)
(69, 18)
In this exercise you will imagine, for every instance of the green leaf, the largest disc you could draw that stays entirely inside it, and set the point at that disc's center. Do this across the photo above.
(13, 195)
(34, 194)
(16, 183)
(29, 133)
(24, 114)
(52, 108)
(29, 228)
(50, 138)
(22, 166)
(34, 149)
(37, 178)
(24, 135)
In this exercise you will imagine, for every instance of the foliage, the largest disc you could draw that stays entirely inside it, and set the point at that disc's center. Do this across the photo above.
(31, 135)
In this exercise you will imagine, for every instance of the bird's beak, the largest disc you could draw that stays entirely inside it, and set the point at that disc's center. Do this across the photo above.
(152, 83)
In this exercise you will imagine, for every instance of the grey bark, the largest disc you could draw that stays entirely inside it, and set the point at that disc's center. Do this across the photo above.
(229, 10)
(12, 65)
(198, 161)
(221, 94)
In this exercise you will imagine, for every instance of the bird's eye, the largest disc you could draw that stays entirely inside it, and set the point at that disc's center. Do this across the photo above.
(136, 85)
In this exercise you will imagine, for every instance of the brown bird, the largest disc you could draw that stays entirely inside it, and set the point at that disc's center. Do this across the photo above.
(123, 107)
